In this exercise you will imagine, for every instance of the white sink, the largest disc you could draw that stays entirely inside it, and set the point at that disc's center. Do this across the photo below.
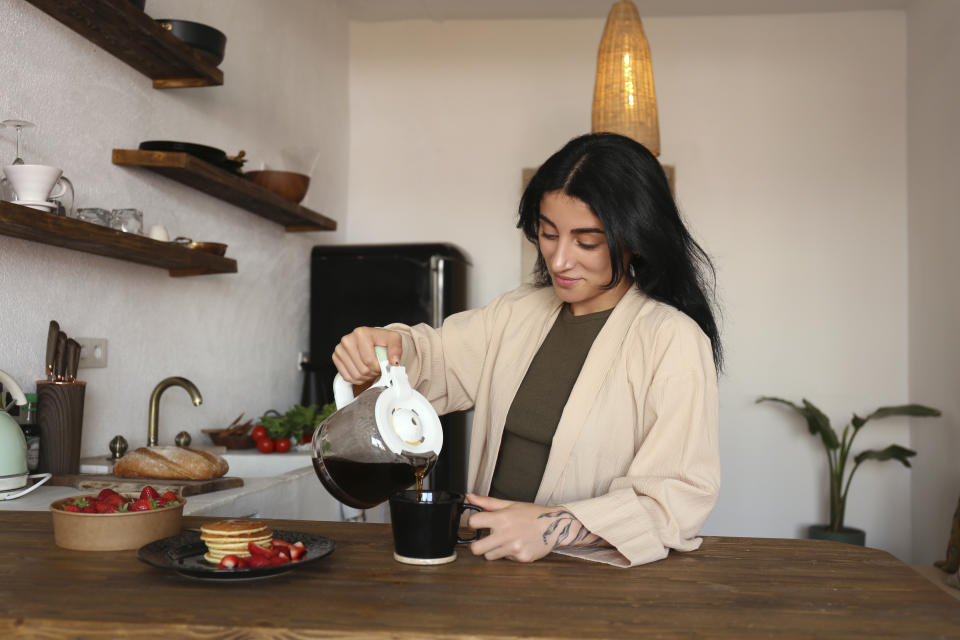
(250, 463)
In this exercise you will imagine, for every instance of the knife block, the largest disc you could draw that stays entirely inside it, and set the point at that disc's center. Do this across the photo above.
(60, 418)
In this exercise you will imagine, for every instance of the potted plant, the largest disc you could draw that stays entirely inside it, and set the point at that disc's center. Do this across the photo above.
(838, 452)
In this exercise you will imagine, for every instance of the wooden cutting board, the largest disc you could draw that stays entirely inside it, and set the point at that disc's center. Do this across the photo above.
(85, 482)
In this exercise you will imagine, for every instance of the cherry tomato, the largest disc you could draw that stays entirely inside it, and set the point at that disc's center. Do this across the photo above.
(265, 445)
(281, 445)
(259, 432)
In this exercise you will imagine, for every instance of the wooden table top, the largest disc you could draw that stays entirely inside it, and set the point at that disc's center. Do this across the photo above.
(730, 588)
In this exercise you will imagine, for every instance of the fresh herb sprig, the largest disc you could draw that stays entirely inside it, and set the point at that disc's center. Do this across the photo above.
(297, 422)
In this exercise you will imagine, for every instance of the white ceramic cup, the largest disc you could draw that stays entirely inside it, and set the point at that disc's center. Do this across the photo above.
(35, 182)
(158, 232)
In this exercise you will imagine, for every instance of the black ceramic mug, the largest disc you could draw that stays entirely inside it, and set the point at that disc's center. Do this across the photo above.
(425, 526)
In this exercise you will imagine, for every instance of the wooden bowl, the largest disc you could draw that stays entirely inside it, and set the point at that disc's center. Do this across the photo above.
(286, 184)
(113, 531)
(238, 441)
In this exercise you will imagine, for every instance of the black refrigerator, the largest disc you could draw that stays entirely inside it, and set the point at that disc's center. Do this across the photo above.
(374, 285)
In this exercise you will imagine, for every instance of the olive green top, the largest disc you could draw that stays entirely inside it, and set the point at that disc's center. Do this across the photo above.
(538, 405)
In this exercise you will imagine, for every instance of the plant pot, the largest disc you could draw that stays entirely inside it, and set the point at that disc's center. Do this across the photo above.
(848, 535)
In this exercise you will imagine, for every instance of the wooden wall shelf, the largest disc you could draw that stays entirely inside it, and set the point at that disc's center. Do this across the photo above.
(227, 186)
(122, 29)
(47, 228)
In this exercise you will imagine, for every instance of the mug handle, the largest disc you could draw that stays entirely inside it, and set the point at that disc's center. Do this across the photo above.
(61, 192)
(476, 535)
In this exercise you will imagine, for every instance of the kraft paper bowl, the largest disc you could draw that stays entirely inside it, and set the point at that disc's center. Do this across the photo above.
(113, 531)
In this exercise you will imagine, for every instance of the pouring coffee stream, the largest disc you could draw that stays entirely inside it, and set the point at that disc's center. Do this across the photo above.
(382, 441)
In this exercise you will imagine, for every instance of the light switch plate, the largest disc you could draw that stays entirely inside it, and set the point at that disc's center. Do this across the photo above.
(93, 353)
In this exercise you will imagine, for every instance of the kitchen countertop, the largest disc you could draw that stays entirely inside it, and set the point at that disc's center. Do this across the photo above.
(213, 503)
(730, 588)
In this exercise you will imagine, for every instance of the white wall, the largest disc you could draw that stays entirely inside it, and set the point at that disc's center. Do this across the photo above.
(933, 57)
(236, 336)
(788, 137)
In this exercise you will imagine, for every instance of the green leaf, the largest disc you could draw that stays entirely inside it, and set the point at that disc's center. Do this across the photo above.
(915, 410)
(893, 452)
(817, 422)
(298, 421)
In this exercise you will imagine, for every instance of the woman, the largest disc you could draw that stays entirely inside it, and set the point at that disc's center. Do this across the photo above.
(595, 391)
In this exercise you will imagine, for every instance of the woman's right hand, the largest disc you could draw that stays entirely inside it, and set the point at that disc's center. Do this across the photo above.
(356, 358)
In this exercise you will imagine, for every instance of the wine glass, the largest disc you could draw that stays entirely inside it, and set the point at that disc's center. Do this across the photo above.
(19, 125)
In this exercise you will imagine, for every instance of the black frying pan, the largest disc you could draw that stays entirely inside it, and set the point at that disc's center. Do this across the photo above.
(209, 154)
(199, 36)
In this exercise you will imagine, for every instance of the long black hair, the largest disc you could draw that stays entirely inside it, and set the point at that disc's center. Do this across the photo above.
(625, 186)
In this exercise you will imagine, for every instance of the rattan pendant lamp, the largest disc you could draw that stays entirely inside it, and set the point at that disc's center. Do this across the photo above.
(624, 100)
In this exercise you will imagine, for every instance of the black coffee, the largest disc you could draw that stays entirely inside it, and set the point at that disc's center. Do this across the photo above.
(362, 485)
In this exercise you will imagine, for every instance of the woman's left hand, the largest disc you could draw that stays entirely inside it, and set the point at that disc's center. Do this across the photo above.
(516, 529)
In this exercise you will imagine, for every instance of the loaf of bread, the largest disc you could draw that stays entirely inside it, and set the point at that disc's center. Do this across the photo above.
(171, 463)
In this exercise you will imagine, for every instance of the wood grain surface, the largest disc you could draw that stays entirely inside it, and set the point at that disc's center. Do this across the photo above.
(48, 228)
(730, 588)
(227, 186)
(60, 419)
(131, 35)
(95, 482)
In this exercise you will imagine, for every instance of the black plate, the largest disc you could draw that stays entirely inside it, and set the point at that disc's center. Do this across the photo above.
(208, 154)
(184, 554)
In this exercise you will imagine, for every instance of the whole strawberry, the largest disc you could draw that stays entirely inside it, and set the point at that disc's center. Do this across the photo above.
(107, 493)
(143, 504)
(149, 492)
(104, 507)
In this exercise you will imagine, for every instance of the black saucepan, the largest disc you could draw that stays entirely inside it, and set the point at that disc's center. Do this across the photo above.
(199, 36)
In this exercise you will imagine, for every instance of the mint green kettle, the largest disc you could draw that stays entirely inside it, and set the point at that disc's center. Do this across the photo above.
(13, 447)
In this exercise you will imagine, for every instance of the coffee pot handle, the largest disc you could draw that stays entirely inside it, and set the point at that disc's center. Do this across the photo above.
(343, 390)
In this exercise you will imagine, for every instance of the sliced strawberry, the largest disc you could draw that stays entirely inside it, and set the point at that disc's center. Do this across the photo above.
(228, 562)
(243, 562)
(72, 507)
(297, 551)
(107, 493)
(143, 504)
(149, 492)
(258, 551)
(257, 562)
(281, 558)
(279, 544)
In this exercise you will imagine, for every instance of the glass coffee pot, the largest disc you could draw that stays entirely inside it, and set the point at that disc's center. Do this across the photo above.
(377, 443)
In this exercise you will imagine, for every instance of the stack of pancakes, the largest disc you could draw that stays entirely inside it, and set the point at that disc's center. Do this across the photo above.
(232, 537)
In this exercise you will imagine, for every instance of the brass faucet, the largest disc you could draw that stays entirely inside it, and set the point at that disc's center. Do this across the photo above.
(165, 384)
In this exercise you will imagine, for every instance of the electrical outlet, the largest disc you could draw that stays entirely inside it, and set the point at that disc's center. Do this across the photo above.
(93, 353)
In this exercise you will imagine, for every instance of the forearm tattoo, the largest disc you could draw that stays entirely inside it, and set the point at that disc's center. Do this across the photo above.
(569, 532)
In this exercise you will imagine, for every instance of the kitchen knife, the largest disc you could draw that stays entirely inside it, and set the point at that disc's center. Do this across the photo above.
(73, 359)
(52, 334)
(60, 359)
